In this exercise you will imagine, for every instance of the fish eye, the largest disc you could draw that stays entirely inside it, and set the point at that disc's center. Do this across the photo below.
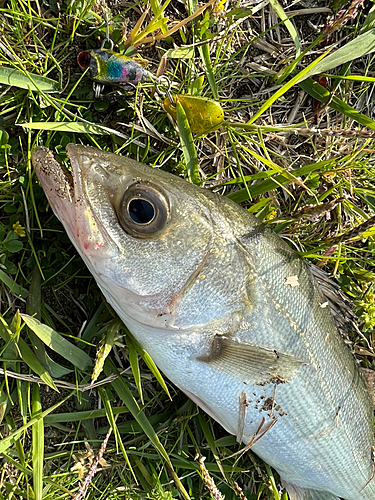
(143, 210)
(84, 59)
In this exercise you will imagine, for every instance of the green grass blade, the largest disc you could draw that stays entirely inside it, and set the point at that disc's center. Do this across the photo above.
(82, 415)
(27, 355)
(134, 364)
(288, 24)
(268, 184)
(285, 88)
(272, 481)
(126, 396)
(158, 12)
(185, 52)
(37, 444)
(204, 34)
(132, 426)
(91, 329)
(149, 362)
(353, 78)
(154, 369)
(57, 343)
(11, 438)
(12, 285)
(33, 308)
(369, 21)
(323, 95)
(112, 423)
(204, 51)
(187, 145)
(211, 441)
(34, 299)
(75, 127)
(19, 441)
(36, 83)
(359, 47)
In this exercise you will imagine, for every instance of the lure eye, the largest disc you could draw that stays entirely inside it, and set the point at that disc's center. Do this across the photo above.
(143, 210)
(84, 59)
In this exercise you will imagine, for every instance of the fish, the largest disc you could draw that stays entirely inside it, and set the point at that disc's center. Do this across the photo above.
(229, 313)
(111, 68)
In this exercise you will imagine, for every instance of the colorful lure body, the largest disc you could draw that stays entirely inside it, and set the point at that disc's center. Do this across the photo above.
(110, 68)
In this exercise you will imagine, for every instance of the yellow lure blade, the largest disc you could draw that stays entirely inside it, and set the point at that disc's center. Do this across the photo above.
(204, 115)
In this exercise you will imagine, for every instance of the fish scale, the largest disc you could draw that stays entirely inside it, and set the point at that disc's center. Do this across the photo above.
(228, 312)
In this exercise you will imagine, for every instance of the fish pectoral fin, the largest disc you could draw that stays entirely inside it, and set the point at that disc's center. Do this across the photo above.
(251, 363)
(297, 493)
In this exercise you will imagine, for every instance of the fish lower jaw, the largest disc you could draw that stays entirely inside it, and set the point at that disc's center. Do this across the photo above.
(131, 312)
(128, 304)
(150, 311)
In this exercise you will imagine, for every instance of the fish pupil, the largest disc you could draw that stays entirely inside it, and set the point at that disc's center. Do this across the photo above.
(141, 211)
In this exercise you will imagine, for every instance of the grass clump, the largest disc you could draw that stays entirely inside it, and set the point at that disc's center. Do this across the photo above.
(295, 149)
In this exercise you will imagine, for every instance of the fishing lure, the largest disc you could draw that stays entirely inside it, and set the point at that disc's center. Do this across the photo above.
(204, 115)
(107, 67)
(111, 68)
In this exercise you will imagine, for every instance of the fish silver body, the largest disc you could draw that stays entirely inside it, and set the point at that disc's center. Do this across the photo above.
(228, 312)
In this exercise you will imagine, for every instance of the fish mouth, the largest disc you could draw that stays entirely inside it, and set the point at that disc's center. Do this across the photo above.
(57, 183)
(66, 194)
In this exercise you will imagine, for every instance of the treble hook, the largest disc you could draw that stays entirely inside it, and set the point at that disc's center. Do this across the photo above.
(158, 81)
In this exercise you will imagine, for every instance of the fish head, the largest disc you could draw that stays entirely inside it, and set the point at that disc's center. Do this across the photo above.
(148, 237)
